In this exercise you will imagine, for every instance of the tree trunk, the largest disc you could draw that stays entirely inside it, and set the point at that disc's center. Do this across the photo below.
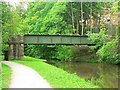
(91, 18)
(73, 25)
(118, 27)
(77, 27)
(82, 18)
(119, 32)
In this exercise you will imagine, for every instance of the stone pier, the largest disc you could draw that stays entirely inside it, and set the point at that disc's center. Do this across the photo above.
(16, 48)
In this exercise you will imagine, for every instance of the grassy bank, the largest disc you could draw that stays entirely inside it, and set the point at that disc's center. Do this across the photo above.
(57, 77)
(6, 76)
(0, 81)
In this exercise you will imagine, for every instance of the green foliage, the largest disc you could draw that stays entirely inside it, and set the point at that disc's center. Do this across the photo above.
(105, 48)
(54, 21)
(57, 77)
(98, 38)
(64, 53)
(12, 23)
(55, 18)
(6, 76)
(40, 51)
(0, 81)
(49, 18)
(109, 53)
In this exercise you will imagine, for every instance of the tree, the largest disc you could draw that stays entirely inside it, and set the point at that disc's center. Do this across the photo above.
(12, 22)
(109, 49)
(119, 28)
(60, 18)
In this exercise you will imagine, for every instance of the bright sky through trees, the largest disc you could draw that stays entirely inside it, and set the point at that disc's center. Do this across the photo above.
(16, 2)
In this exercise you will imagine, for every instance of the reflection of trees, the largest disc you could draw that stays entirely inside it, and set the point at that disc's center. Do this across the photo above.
(85, 70)
(108, 76)
(101, 74)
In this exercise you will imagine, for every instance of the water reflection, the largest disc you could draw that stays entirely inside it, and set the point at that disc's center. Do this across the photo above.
(102, 74)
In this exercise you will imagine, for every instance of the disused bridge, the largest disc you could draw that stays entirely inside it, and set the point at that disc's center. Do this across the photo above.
(16, 45)
(57, 39)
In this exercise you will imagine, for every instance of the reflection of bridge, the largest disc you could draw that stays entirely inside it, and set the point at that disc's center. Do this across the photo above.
(57, 39)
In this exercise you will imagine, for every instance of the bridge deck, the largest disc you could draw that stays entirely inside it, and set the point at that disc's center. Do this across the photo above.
(57, 39)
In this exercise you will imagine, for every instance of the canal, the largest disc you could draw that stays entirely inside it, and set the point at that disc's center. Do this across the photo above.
(102, 74)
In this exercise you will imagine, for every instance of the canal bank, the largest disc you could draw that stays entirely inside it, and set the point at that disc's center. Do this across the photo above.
(58, 78)
(102, 74)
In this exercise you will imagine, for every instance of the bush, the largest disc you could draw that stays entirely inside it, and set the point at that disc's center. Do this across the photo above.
(109, 53)
(105, 48)
(40, 51)
(61, 52)
(64, 53)
(98, 38)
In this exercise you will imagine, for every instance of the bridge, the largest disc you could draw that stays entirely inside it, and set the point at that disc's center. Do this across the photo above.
(16, 45)
(57, 40)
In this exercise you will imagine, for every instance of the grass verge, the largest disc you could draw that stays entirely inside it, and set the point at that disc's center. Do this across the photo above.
(0, 81)
(57, 77)
(6, 76)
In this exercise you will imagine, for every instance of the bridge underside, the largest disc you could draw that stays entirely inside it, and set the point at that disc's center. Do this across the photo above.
(57, 39)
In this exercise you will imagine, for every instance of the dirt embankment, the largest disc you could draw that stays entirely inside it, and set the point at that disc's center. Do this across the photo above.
(83, 53)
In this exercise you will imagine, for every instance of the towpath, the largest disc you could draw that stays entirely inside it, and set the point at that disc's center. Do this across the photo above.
(25, 77)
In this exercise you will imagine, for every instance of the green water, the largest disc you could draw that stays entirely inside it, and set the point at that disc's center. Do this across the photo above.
(102, 74)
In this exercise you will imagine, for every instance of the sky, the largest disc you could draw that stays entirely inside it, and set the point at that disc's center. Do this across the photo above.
(13, 2)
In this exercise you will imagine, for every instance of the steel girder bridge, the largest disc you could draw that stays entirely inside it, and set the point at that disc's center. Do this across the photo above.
(57, 40)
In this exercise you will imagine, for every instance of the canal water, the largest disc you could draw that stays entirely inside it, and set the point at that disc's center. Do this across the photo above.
(102, 74)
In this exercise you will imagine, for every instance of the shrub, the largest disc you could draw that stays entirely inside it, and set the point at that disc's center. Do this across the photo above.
(109, 53)
(98, 38)
(105, 47)
(64, 53)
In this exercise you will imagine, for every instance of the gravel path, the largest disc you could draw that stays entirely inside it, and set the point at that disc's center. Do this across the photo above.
(25, 77)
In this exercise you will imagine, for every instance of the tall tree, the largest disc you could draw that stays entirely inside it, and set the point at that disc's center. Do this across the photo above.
(12, 22)
(119, 27)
